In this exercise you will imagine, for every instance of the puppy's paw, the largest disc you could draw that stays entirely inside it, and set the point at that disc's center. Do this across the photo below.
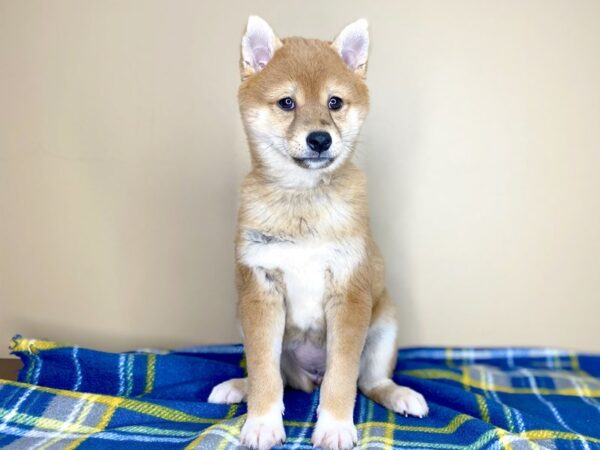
(408, 402)
(331, 434)
(263, 432)
(230, 391)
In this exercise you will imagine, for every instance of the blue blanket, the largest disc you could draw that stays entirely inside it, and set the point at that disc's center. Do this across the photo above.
(70, 397)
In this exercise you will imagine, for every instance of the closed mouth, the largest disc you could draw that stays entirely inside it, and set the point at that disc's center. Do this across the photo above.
(313, 163)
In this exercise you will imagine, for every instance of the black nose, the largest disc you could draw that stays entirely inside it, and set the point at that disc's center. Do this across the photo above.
(319, 141)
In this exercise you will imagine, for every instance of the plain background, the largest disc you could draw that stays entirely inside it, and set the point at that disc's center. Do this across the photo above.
(121, 152)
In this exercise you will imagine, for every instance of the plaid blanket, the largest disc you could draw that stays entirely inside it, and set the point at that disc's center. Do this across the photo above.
(70, 397)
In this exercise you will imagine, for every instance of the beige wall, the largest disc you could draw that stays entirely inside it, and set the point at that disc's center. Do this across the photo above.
(121, 152)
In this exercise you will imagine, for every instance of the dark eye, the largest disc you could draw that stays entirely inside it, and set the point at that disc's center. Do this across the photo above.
(287, 103)
(335, 103)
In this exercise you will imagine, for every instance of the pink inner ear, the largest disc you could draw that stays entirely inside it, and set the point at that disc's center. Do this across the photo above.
(262, 55)
(353, 50)
(349, 57)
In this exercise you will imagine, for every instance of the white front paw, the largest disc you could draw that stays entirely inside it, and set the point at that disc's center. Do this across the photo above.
(263, 432)
(331, 434)
(408, 402)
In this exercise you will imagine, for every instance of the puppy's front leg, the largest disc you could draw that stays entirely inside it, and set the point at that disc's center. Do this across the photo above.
(262, 316)
(348, 316)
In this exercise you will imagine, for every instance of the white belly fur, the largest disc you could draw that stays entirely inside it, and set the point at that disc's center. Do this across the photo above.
(303, 265)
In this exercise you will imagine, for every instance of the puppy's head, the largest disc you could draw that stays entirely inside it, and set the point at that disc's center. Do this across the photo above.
(303, 101)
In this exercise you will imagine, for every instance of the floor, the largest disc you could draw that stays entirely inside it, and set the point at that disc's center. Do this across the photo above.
(9, 368)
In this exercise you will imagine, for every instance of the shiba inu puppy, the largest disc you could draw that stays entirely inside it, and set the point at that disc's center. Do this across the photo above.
(312, 302)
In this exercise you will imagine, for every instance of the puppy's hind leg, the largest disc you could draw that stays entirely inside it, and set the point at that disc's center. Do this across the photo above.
(230, 391)
(236, 389)
(378, 361)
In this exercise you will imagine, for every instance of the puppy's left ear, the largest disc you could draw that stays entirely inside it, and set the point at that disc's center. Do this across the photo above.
(352, 44)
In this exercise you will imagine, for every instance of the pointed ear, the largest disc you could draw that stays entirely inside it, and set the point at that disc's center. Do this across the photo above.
(352, 44)
(258, 46)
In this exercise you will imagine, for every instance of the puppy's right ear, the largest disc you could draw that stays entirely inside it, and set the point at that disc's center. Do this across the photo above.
(258, 46)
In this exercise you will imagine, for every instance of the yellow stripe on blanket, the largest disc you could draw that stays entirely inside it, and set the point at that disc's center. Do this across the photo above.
(440, 374)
